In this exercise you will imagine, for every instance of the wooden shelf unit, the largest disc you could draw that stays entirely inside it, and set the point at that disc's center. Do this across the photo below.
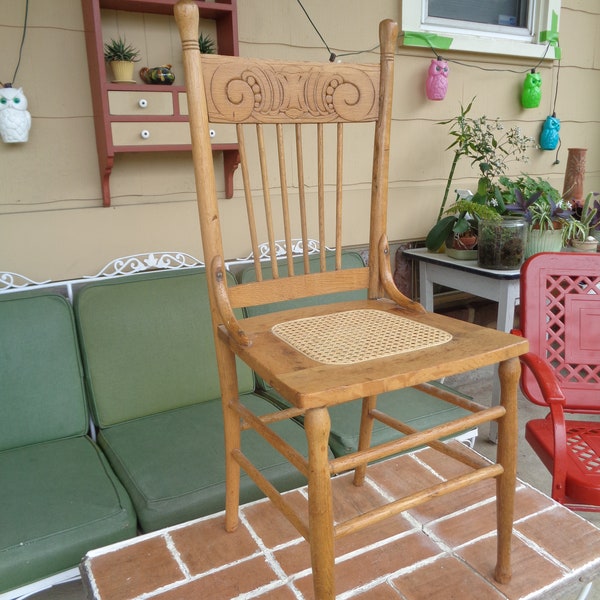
(150, 118)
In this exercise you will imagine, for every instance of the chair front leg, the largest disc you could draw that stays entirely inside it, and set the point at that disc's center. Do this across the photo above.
(508, 372)
(320, 503)
(232, 428)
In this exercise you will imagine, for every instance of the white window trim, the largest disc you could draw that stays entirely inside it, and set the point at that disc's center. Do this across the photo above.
(419, 31)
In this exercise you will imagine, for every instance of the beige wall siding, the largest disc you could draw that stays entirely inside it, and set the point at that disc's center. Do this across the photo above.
(52, 224)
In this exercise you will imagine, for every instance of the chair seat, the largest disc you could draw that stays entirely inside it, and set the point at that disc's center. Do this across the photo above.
(68, 503)
(583, 457)
(143, 453)
(310, 383)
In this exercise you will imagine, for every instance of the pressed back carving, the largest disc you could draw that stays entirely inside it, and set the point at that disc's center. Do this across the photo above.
(248, 91)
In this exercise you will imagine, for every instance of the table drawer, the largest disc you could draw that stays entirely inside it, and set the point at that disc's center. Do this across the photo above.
(140, 103)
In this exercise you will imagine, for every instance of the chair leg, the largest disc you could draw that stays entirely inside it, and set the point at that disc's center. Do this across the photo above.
(508, 372)
(232, 428)
(364, 438)
(320, 503)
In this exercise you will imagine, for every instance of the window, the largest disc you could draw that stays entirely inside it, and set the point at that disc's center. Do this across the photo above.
(513, 27)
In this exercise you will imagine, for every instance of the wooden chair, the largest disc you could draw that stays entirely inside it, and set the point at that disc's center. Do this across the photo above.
(320, 356)
(560, 316)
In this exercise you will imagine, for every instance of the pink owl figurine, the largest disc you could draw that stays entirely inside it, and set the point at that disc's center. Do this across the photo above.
(437, 79)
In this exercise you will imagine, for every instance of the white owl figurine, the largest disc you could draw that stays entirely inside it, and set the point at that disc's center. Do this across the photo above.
(437, 79)
(15, 120)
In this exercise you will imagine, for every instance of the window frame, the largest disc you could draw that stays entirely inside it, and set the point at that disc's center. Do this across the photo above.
(446, 34)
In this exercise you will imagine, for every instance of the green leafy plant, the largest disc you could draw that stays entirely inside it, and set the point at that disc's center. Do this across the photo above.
(537, 201)
(119, 49)
(461, 220)
(583, 222)
(207, 44)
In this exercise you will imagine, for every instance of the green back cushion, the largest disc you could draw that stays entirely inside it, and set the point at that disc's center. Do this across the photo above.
(42, 393)
(147, 344)
(350, 260)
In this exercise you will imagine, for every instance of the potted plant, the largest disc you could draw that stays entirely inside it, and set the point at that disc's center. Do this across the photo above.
(492, 148)
(578, 231)
(207, 44)
(121, 56)
(541, 205)
(459, 229)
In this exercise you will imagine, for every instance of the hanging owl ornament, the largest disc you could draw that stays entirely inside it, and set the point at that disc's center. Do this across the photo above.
(549, 137)
(15, 120)
(531, 95)
(437, 79)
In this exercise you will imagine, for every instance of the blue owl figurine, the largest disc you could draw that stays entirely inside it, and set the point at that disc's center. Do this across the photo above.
(531, 96)
(549, 137)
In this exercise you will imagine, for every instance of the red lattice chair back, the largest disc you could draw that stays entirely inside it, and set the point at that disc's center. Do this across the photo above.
(560, 316)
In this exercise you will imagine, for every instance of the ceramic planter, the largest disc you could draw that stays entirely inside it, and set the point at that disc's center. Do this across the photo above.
(585, 246)
(549, 240)
(122, 71)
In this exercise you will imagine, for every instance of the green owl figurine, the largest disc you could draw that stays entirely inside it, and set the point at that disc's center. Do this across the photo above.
(531, 95)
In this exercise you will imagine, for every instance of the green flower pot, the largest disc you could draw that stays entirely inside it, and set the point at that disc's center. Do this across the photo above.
(549, 240)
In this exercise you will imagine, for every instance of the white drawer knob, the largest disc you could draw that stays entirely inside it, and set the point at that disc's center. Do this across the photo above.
(145, 134)
(213, 133)
(143, 103)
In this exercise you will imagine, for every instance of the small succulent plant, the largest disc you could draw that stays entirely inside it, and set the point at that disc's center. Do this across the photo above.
(207, 44)
(119, 49)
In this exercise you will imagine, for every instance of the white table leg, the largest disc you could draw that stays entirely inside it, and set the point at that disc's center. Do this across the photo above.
(425, 287)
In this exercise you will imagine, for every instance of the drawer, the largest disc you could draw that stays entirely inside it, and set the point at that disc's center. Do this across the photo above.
(165, 133)
(151, 134)
(140, 103)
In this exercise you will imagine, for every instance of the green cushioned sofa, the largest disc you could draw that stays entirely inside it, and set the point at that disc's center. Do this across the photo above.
(59, 497)
(149, 360)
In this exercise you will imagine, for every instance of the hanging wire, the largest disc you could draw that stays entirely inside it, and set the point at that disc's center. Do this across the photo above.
(14, 77)
(332, 56)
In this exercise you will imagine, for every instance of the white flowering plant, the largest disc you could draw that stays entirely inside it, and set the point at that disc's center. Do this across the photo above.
(493, 148)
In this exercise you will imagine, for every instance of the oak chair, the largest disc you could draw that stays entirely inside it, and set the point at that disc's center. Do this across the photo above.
(560, 316)
(318, 357)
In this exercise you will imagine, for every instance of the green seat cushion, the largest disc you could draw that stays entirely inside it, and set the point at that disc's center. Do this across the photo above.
(58, 500)
(41, 390)
(173, 464)
(413, 407)
(147, 345)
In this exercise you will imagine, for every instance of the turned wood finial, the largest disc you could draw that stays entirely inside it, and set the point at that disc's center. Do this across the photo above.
(188, 21)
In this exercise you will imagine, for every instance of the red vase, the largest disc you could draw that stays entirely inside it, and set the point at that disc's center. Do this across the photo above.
(574, 175)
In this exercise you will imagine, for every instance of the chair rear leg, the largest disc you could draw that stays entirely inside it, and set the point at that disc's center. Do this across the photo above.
(364, 438)
(508, 372)
(320, 503)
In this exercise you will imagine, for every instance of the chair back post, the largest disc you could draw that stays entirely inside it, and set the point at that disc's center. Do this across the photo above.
(388, 35)
(188, 20)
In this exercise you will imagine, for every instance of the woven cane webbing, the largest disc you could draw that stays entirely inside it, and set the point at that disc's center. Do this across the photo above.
(349, 337)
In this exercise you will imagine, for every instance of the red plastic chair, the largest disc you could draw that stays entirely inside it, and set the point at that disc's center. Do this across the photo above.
(560, 316)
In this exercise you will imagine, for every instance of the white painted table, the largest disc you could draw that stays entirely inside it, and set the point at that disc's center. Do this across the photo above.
(464, 275)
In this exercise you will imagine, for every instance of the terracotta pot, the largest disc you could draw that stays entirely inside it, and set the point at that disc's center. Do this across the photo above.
(574, 176)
